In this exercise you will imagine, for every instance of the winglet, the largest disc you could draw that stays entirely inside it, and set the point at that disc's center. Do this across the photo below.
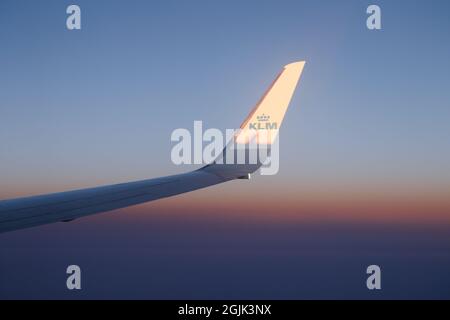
(265, 119)
(260, 128)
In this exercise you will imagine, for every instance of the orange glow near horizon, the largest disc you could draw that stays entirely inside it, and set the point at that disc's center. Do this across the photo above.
(281, 202)
(358, 206)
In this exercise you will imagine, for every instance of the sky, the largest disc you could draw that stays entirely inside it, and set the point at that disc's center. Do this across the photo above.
(365, 147)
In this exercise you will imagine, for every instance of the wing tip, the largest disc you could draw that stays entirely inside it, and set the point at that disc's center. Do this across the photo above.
(295, 64)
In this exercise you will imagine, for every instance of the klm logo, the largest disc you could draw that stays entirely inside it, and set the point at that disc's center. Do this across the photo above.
(263, 123)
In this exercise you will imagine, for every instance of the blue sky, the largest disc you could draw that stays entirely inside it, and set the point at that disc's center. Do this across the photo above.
(137, 71)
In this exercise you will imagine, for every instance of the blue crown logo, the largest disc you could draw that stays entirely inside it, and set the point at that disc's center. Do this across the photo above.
(263, 118)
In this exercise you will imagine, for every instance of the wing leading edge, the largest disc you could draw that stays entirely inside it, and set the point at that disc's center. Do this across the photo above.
(65, 206)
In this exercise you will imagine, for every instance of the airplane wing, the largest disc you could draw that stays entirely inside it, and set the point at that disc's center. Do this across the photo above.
(65, 206)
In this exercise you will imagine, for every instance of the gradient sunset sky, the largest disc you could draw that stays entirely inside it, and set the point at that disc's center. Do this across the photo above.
(365, 145)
